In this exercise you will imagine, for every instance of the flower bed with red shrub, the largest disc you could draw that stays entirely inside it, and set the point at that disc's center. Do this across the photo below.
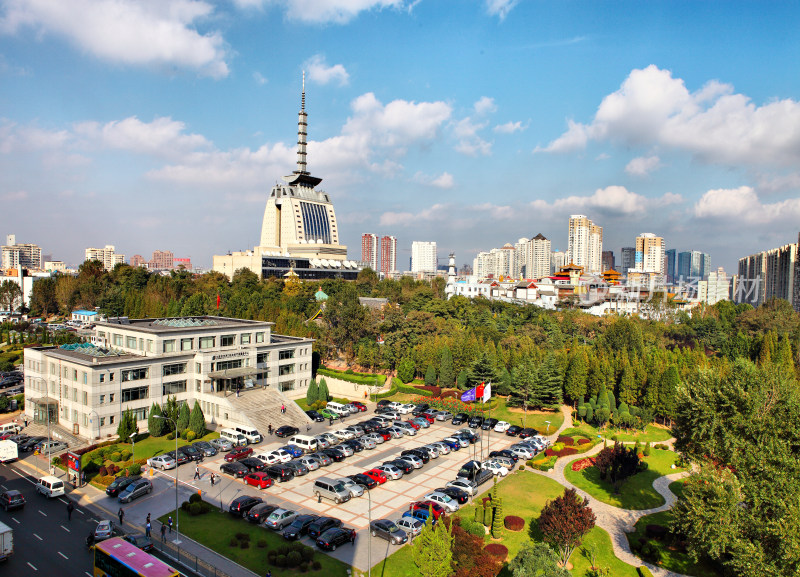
(569, 441)
(565, 452)
(582, 464)
(497, 550)
(454, 405)
(434, 390)
(514, 523)
(583, 441)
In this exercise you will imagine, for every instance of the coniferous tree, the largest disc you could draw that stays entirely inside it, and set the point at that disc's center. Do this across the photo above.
(463, 379)
(504, 382)
(430, 376)
(432, 550)
(197, 420)
(312, 393)
(170, 411)
(547, 386)
(447, 375)
(183, 418)
(323, 394)
(127, 426)
(155, 425)
(483, 370)
(537, 559)
(575, 379)
(628, 392)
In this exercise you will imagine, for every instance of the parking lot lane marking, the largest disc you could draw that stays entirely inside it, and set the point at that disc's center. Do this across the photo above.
(62, 500)
(15, 520)
(4, 487)
(81, 512)
(65, 529)
(89, 574)
(64, 556)
(31, 566)
(43, 513)
(37, 536)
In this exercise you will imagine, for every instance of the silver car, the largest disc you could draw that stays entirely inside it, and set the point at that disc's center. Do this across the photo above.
(162, 462)
(410, 525)
(395, 432)
(368, 442)
(322, 442)
(390, 471)
(406, 428)
(221, 444)
(465, 485)
(355, 489)
(309, 462)
(322, 458)
(348, 451)
(412, 460)
(433, 450)
(280, 518)
(332, 439)
(443, 448)
(443, 416)
(378, 439)
(521, 452)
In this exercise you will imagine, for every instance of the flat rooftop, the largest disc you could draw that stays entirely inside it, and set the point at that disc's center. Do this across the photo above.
(181, 324)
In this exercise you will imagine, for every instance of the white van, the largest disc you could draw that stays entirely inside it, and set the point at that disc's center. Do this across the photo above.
(337, 408)
(50, 486)
(235, 437)
(251, 434)
(10, 428)
(305, 442)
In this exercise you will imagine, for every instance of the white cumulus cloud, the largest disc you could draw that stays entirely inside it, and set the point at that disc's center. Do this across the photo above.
(484, 105)
(743, 205)
(611, 200)
(437, 212)
(714, 124)
(138, 32)
(510, 127)
(321, 73)
(444, 180)
(327, 11)
(500, 8)
(162, 137)
(643, 165)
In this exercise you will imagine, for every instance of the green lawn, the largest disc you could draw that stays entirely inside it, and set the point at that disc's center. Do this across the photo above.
(651, 433)
(152, 446)
(215, 529)
(671, 557)
(635, 492)
(605, 556)
(677, 487)
(524, 494)
(532, 419)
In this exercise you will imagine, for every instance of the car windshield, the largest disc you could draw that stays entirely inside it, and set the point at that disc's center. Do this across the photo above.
(338, 487)
(392, 528)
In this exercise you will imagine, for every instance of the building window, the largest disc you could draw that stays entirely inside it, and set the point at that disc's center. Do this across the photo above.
(169, 346)
(175, 369)
(259, 337)
(83, 375)
(244, 339)
(75, 375)
(140, 414)
(117, 340)
(198, 385)
(186, 344)
(102, 377)
(286, 385)
(102, 421)
(135, 393)
(75, 395)
(141, 344)
(198, 368)
(130, 342)
(262, 357)
(206, 342)
(74, 415)
(174, 388)
(102, 399)
(85, 420)
(149, 345)
(111, 377)
(134, 374)
(283, 355)
(225, 365)
(286, 370)
(227, 340)
(111, 420)
(111, 398)
(85, 398)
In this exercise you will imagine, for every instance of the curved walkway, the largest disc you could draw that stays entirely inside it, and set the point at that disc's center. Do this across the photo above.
(617, 522)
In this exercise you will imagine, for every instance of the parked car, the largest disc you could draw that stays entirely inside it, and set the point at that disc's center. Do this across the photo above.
(507, 462)
(332, 439)
(333, 538)
(328, 414)
(444, 500)
(374, 439)
(286, 431)
(179, 457)
(346, 450)
(527, 432)
(489, 424)
(421, 421)
(192, 453)
(139, 540)
(315, 416)
(438, 510)
(384, 402)
(475, 421)
(321, 525)
(253, 464)
(395, 432)
(310, 462)
(514, 431)
(334, 453)
(407, 428)
(364, 480)
(412, 460)
(420, 454)
(11, 499)
(298, 468)
(418, 515)
(238, 453)
(376, 475)
(460, 418)
(258, 479)
(410, 525)
(280, 518)
(293, 450)
(522, 451)
(281, 455)
(502, 426)
(260, 512)
(299, 527)
(495, 467)
(104, 530)
(354, 445)
(390, 471)
(432, 451)
(206, 448)
(473, 471)
(355, 489)
(361, 406)
(322, 442)
(403, 465)
(323, 459)
(414, 424)
(387, 529)
(242, 504)
(459, 495)
(504, 453)
(465, 485)
(442, 447)
(120, 484)
(454, 444)
(443, 416)
(223, 445)
(135, 490)
(281, 473)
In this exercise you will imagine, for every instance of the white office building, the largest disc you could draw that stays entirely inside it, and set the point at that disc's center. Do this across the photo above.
(423, 256)
(238, 370)
(585, 244)
(108, 256)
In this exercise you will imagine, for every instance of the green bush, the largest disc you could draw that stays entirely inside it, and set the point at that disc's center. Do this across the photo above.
(646, 451)
(473, 527)
(414, 391)
(135, 469)
(244, 545)
(307, 552)
(190, 435)
(392, 391)
(195, 509)
(303, 567)
(317, 565)
(352, 377)
(233, 542)
(294, 559)
(125, 454)
(522, 467)
(644, 571)
(280, 561)
(171, 437)
(262, 544)
(195, 498)
(115, 457)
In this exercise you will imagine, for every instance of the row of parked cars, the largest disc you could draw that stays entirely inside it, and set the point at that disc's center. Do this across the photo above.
(197, 451)
(26, 443)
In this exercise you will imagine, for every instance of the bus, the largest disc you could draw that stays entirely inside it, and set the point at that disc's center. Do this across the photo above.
(116, 557)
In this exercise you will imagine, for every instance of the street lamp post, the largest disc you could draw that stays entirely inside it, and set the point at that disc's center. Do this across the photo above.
(177, 510)
(133, 445)
(548, 427)
(369, 535)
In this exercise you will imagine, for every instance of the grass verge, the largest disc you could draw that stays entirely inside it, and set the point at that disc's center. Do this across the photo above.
(601, 540)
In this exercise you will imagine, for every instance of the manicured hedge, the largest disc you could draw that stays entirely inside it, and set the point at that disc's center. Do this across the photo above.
(497, 550)
(358, 378)
(644, 571)
(414, 390)
(513, 523)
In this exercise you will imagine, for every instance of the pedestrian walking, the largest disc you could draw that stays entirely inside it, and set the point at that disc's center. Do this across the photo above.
(283, 408)
(169, 522)
(70, 509)
(269, 428)
(147, 529)
(121, 515)
(330, 421)
(163, 532)
(353, 537)
(196, 472)
(269, 573)
(212, 479)
(148, 517)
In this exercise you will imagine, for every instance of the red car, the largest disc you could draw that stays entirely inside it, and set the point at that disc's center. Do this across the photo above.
(386, 436)
(259, 479)
(361, 406)
(438, 510)
(376, 475)
(428, 417)
(238, 453)
(413, 424)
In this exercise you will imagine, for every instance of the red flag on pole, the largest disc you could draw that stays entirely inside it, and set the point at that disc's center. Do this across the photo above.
(218, 301)
(479, 391)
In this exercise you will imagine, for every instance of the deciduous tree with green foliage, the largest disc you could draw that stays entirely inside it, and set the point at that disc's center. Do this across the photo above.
(432, 550)
(537, 559)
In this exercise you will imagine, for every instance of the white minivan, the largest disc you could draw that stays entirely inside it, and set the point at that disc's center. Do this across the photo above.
(305, 442)
(235, 437)
(337, 408)
(252, 435)
(50, 486)
(10, 428)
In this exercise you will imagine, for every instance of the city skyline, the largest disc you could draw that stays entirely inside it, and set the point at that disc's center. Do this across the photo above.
(679, 119)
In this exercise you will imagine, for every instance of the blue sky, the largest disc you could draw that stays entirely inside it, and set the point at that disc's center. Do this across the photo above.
(150, 124)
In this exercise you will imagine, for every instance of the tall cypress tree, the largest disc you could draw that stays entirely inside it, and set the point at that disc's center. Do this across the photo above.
(197, 420)
(183, 418)
(312, 394)
(155, 425)
(447, 374)
(323, 394)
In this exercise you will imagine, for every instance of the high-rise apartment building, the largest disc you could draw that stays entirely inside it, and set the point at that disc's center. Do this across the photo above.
(770, 274)
(537, 264)
(628, 258)
(137, 260)
(585, 244)
(108, 256)
(16, 255)
(649, 255)
(670, 257)
(388, 254)
(558, 258)
(608, 260)
(693, 265)
(162, 260)
(423, 256)
(715, 288)
(369, 250)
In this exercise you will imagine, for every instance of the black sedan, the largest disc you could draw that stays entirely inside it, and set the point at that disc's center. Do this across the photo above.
(315, 416)
(475, 421)
(364, 480)
(192, 453)
(504, 453)
(527, 432)
(404, 466)
(460, 496)
(386, 529)
(259, 513)
(235, 469)
(143, 542)
(417, 453)
(241, 505)
(355, 445)
(30, 444)
(460, 418)
(335, 454)
(12, 499)
(333, 538)
(254, 464)
(321, 525)
(514, 431)
(286, 431)
(119, 484)
(383, 402)
(369, 426)
(299, 527)
(468, 436)
(180, 458)
(489, 424)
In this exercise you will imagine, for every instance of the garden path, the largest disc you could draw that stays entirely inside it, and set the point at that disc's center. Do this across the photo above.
(617, 522)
